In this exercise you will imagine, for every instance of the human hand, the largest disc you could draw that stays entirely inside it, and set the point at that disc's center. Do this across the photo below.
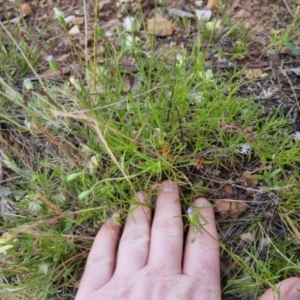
(151, 264)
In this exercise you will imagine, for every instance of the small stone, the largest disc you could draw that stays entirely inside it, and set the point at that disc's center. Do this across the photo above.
(74, 30)
(203, 14)
(69, 19)
(160, 26)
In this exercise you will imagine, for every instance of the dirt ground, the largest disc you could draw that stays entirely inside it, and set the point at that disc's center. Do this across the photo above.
(261, 15)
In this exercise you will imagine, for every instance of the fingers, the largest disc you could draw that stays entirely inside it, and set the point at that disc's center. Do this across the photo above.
(201, 257)
(289, 289)
(101, 261)
(134, 245)
(167, 230)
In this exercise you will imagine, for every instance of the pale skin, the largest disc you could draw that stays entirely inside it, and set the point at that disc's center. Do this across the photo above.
(152, 263)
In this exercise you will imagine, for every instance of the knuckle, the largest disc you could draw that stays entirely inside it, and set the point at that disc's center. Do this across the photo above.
(135, 235)
(99, 261)
(169, 227)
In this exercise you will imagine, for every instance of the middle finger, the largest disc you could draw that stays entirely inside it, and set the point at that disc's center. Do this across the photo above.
(167, 230)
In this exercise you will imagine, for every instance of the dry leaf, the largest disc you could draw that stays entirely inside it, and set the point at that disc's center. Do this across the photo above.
(242, 14)
(126, 84)
(253, 73)
(41, 17)
(9, 15)
(213, 5)
(171, 55)
(269, 214)
(265, 242)
(63, 57)
(249, 179)
(104, 4)
(228, 189)
(283, 50)
(250, 192)
(26, 9)
(160, 26)
(247, 237)
(78, 21)
(248, 129)
(199, 164)
(230, 208)
(51, 74)
(128, 63)
(12, 21)
(180, 13)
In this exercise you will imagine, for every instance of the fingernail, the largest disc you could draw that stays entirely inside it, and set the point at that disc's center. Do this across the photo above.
(141, 197)
(168, 186)
(111, 222)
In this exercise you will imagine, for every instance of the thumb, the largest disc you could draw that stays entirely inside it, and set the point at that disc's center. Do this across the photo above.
(288, 289)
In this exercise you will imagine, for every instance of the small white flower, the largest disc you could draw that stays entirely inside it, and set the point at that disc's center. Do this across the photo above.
(207, 75)
(34, 206)
(196, 98)
(4, 248)
(49, 58)
(179, 59)
(190, 210)
(213, 25)
(58, 14)
(27, 124)
(27, 83)
(296, 135)
(245, 149)
(267, 93)
(75, 83)
(59, 198)
(3, 240)
(131, 41)
(129, 24)
(93, 164)
(44, 268)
